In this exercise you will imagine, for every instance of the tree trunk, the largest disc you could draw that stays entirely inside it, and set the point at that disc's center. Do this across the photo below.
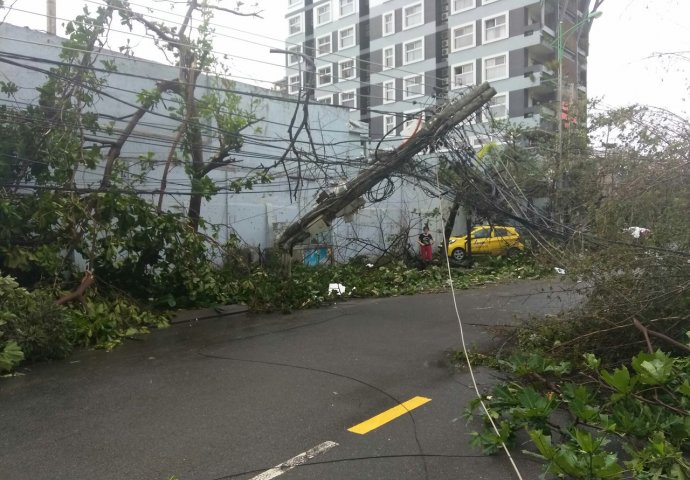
(450, 221)
(468, 225)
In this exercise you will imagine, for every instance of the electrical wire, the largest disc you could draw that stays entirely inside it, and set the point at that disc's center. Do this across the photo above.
(465, 349)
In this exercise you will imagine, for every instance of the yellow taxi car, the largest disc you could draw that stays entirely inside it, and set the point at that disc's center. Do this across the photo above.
(487, 240)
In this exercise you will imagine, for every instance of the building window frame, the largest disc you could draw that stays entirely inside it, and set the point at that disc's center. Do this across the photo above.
(354, 99)
(485, 29)
(300, 18)
(341, 75)
(405, 25)
(454, 10)
(291, 84)
(319, 83)
(319, 53)
(505, 73)
(388, 87)
(351, 6)
(414, 114)
(491, 105)
(294, 58)
(474, 37)
(405, 52)
(326, 100)
(390, 49)
(390, 128)
(406, 93)
(295, 4)
(340, 38)
(384, 32)
(454, 85)
(317, 23)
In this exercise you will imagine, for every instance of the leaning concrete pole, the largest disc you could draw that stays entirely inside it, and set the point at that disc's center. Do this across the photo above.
(320, 217)
(51, 17)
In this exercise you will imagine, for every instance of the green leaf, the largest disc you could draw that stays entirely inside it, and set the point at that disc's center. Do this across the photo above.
(10, 356)
(684, 388)
(653, 369)
(620, 381)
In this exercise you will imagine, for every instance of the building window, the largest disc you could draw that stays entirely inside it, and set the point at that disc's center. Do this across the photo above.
(498, 106)
(413, 122)
(461, 5)
(324, 76)
(347, 7)
(463, 75)
(495, 28)
(413, 86)
(388, 58)
(484, 2)
(347, 69)
(322, 14)
(325, 100)
(323, 45)
(389, 91)
(294, 4)
(413, 16)
(496, 68)
(463, 37)
(388, 23)
(389, 124)
(346, 38)
(347, 99)
(295, 25)
(294, 58)
(293, 84)
(413, 51)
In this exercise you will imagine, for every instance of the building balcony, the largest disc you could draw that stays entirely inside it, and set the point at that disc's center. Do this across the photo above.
(543, 47)
(543, 82)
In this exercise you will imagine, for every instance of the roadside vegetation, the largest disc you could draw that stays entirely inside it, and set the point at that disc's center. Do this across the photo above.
(34, 327)
(603, 391)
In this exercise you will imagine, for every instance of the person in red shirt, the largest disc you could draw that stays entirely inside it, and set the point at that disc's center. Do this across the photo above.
(425, 242)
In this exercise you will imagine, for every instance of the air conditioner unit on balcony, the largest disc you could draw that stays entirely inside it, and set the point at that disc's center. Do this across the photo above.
(444, 52)
(444, 43)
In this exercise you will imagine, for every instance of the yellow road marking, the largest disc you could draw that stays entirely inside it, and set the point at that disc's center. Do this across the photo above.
(389, 415)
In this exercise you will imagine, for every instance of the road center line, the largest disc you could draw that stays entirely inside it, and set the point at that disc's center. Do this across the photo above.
(389, 415)
(295, 461)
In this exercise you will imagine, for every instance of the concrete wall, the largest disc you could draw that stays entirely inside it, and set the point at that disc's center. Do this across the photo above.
(257, 216)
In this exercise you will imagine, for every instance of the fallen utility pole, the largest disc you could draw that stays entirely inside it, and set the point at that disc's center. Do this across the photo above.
(320, 217)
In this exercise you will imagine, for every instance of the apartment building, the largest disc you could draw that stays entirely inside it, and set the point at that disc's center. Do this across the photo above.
(389, 60)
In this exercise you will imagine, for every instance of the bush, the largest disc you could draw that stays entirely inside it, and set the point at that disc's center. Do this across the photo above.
(39, 328)
(34, 328)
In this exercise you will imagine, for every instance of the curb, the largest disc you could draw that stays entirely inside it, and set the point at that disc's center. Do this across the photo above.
(206, 313)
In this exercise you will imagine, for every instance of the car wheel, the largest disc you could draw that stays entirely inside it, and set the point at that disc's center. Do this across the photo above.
(458, 254)
(513, 252)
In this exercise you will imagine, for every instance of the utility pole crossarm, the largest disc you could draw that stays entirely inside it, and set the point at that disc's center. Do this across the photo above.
(443, 122)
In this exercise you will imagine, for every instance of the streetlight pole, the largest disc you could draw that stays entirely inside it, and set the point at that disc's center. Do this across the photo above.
(311, 69)
(560, 50)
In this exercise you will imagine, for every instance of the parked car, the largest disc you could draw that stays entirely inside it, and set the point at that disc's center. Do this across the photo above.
(487, 240)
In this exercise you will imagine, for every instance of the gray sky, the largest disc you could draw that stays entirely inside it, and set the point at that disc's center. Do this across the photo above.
(624, 66)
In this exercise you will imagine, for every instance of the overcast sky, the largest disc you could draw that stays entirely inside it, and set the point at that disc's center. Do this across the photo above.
(624, 65)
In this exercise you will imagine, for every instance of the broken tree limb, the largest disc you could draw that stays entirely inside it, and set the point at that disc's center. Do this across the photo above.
(86, 281)
(321, 216)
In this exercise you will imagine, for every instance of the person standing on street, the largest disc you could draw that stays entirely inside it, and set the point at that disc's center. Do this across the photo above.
(425, 242)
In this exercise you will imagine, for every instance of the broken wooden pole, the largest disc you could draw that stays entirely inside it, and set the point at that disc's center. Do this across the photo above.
(320, 217)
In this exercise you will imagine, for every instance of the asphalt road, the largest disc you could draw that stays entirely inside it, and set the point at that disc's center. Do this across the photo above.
(234, 397)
